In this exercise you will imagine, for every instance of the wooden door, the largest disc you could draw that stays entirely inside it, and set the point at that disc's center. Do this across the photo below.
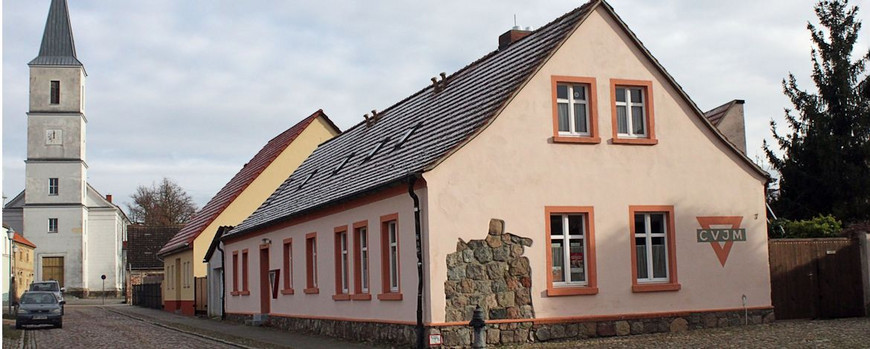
(52, 269)
(265, 294)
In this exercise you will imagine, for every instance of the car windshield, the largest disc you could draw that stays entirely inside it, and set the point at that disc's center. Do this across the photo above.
(38, 298)
(47, 286)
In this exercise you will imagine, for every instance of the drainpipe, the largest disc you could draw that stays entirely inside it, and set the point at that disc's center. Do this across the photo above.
(223, 284)
(412, 178)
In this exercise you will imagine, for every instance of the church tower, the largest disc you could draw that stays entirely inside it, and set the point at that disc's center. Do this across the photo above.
(55, 208)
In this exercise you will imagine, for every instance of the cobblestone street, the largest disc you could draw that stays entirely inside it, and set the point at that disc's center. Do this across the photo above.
(95, 327)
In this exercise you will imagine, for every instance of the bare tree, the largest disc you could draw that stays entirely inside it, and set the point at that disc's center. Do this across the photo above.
(164, 203)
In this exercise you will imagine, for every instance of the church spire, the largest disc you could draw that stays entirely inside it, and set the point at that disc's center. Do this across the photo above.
(58, 46)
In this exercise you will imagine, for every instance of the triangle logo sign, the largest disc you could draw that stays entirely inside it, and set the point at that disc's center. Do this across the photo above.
(722, 250)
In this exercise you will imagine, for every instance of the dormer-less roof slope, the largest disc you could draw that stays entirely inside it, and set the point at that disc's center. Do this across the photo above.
(144, 241)
(58, 46)
(715, 115)
(21, 240)
(444, 119)
(239, 182)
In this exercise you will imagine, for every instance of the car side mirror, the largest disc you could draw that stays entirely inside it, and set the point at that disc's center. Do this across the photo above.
(62, 302)
(62, 289)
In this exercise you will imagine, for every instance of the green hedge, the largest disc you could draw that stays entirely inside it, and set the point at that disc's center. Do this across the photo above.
(818, 227)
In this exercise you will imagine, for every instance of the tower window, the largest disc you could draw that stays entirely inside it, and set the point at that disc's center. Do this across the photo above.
(55, 92)
(52, 186)
(52, 225)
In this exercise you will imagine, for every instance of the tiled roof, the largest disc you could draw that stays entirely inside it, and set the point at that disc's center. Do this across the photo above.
(21, 240)
(58, 46)
(715, 115)
(239, 182)
(441, 120)
(143, 242)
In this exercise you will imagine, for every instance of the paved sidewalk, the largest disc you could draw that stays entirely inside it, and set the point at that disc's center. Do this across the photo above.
(231, 332)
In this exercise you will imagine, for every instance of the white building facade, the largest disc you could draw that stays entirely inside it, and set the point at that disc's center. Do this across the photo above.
(79, 233)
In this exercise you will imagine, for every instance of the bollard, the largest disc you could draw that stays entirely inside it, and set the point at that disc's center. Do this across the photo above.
(478, 339)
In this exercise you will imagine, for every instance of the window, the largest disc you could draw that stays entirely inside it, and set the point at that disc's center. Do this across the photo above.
(406, 135)
(375, 149)
(361, 261)
(311, 264)
(288, 266)
(52, 186)
(575, 116)
(245, 290)
(52, 225)
(632, 107)
(390, 258)
(342, 265)
(235, 274)
(341, 164)
(653, 258)
(55, 92)
(571, 250)
(307, 178)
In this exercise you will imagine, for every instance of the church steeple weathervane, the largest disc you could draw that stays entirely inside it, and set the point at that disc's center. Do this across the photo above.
(58, 46)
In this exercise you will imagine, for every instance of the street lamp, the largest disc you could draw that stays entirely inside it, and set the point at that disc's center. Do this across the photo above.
(11, 235)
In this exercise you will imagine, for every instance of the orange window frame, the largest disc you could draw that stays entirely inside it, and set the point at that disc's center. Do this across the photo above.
(591, 286)
(672, 284)
(358, 293)
(288, 266)
(387, 294)
(591, 103)
(311, 264)
(649, 108)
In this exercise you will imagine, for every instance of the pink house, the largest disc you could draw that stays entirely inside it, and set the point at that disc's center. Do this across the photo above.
(563, 183)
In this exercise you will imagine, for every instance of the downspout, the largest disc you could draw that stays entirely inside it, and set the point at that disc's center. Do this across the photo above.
(223, 284)
(412, 178)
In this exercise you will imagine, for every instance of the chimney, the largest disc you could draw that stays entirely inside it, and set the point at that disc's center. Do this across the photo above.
(511, 36)
(109, 197)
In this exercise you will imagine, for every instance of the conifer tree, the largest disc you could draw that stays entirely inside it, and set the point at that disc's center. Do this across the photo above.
(825, 163)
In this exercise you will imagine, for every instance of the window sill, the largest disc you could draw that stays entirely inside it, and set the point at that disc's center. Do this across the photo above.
(361, 297)
(655, 287)
(571, 291)
(341, 297)
(635, 141)
(392, 296)
(245, 293)
(287, 291)
(311, 290)
(576, 139)
(234, 293)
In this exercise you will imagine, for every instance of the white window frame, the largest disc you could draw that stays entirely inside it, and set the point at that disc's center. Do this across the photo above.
(53, 225)
(648, 236)
(393, 256)
(566, 239)
(570, 101)
(364, 259)
(53, 186)
(628, 105)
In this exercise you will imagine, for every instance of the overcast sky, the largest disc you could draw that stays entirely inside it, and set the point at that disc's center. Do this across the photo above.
(191, 90)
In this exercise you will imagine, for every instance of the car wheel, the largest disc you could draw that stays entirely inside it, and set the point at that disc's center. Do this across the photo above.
(59, 324)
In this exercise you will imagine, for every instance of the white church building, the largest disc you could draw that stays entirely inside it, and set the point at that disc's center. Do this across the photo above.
(78, 232)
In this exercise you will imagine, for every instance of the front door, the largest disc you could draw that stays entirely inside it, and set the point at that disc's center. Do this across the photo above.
(52, 269)
(178, 272)
(265, 294)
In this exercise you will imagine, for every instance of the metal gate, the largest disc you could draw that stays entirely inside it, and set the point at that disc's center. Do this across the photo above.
(816, 278)
(200, 291)
(148, 295)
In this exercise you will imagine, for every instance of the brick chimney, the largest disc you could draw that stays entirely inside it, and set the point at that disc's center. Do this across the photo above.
(109, 197)
(511, 36)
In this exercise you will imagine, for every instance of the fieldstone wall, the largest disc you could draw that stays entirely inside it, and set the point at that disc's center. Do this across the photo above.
(491, 273)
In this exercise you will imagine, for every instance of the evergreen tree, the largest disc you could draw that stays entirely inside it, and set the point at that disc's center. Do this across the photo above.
(825, 164)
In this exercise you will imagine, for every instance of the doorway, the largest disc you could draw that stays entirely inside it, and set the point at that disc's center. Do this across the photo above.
(265, 295)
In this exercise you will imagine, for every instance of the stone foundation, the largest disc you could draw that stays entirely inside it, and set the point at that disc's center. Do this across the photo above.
(518, 332)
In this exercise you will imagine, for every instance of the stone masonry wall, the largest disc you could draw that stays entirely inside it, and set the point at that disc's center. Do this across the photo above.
(491, 273)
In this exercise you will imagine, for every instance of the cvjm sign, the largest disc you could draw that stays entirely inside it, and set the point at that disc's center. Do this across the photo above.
(721, 238)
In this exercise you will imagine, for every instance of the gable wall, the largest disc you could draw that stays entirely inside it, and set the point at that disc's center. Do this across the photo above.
(259, 190)
(512, 170)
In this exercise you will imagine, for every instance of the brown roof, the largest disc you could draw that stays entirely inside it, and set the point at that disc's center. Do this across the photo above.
(239, 182)
(21, 240)
(715, 115)
(143, 242)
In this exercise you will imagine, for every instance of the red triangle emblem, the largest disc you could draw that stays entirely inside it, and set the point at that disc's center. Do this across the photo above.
(722, 252)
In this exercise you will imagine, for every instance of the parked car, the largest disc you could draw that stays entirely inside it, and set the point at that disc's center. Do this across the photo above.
(39, 307)
(50, 286)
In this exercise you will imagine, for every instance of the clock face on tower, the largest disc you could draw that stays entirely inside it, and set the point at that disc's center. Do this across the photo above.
(53, 137)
